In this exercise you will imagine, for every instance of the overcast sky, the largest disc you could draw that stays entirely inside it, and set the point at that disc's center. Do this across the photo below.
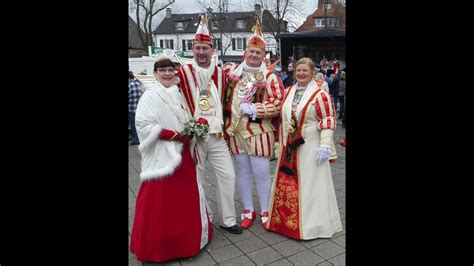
(191, 6)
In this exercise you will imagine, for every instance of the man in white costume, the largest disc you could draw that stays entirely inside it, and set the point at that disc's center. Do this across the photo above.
(201, 84)
(253, 98)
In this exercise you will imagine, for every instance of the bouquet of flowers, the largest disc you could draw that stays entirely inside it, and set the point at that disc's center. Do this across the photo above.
(198, 128)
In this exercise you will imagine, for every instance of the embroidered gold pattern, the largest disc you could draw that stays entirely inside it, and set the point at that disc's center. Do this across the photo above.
(286, 195)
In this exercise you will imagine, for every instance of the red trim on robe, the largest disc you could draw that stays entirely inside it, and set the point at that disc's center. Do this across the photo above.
(325, 104)
(268, 144)
(235, 146)
(248, 126)
(186, 89)
(256, 150)
(303, 112)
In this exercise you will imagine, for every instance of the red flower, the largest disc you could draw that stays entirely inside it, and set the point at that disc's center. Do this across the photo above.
(202, 121)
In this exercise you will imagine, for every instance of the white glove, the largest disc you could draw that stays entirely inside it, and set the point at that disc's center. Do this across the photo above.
(250, 109)
(322, 154)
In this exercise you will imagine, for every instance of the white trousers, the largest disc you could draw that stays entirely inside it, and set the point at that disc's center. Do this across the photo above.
(216, 153)
(247, 167)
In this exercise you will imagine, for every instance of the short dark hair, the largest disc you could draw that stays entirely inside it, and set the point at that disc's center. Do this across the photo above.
(165, 62)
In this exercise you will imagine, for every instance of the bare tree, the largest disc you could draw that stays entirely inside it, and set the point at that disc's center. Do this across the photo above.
(148, 9)
(286, 15)
(221, 6)
(218, 5)
(224, 49)
(283, 11)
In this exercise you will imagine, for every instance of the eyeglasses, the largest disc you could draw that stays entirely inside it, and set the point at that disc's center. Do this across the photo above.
(164, 70)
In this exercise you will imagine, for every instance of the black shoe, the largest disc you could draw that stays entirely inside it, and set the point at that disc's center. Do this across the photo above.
(235, 229)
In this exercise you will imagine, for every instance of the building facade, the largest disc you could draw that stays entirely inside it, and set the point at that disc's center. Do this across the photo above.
(230, 32)
(330, 14)
(135, 45)
(322, 34)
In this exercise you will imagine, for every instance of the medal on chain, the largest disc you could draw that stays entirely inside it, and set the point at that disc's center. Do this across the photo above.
(204, 98)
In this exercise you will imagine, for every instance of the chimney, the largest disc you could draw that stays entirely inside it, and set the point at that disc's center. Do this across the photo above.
(284, 26)
(168, 12)
(258, 11)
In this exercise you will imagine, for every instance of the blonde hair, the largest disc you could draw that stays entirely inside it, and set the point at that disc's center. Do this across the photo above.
(307, 61)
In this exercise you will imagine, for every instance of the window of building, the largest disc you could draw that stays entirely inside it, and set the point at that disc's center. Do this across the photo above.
(168, 44)
(331, 22)
(190, 45)
(241, 24)
(327, 6)
(187, 45)
(240, 44)
(319, 22)
(216, 44)
(215, 24)
(180, 26)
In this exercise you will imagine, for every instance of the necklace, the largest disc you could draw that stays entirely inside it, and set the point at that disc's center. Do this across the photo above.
(248, 86)
(297, 98)
(298, 95)
(204, 95)
(244, 87)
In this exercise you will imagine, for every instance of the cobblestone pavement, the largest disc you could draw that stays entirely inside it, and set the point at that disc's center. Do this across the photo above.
(256, 246)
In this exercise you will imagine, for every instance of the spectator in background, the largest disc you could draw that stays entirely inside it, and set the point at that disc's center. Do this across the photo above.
(277, 71)
(324, 65)
(135, 91)
(334, 88)
(289, 80)
(342, 92)
(328, 79)
(283, 76)
(335, 66)
(321, 82)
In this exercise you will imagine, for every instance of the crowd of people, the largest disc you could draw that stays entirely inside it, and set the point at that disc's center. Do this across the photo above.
(247, 109)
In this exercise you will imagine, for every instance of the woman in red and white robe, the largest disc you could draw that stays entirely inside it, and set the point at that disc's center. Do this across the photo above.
(303, 201)
(171, 220)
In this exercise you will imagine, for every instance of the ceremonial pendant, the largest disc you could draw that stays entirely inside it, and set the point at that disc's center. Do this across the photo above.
(259, 77)
(204, 104)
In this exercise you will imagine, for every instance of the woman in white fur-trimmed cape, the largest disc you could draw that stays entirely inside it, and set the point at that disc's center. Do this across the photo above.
(171, 220)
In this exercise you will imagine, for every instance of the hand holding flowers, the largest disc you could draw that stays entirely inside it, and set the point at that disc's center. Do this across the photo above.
(198, 128)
